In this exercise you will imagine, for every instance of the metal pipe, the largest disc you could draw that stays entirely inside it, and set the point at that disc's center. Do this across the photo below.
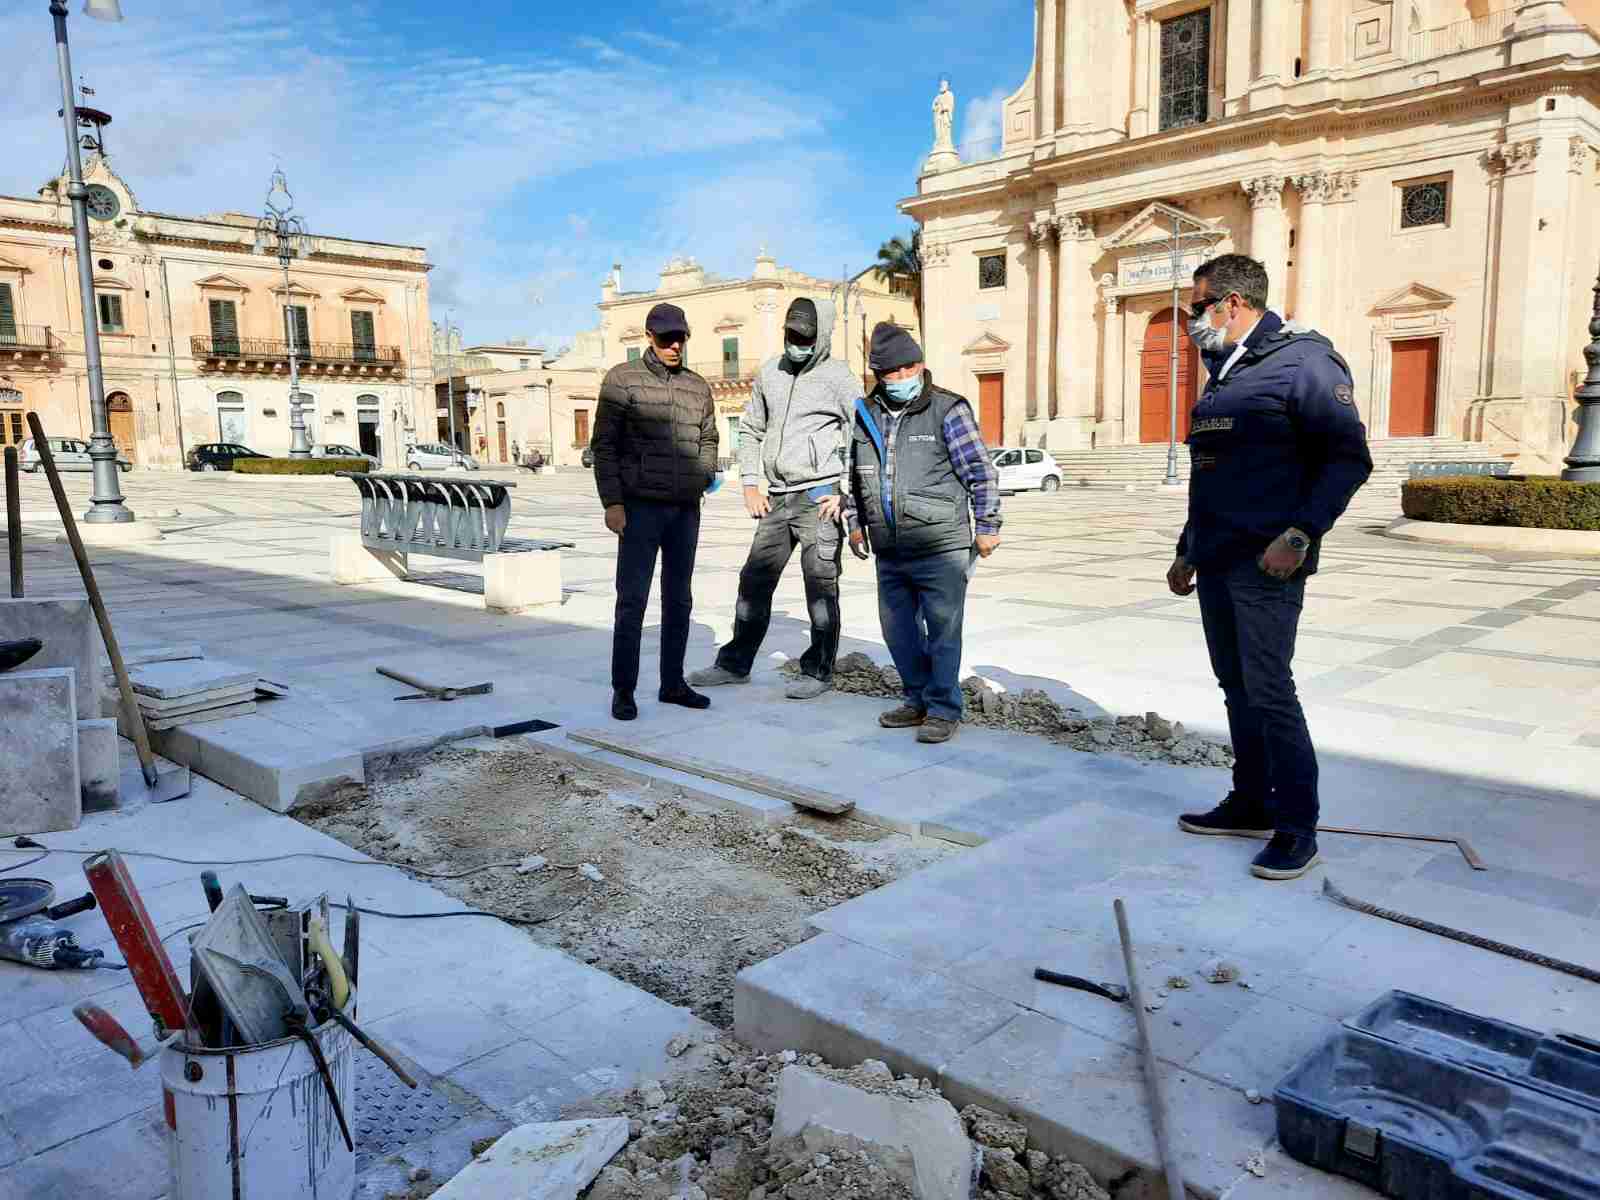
(106, 503)
(14, 522)
(1160, 1115)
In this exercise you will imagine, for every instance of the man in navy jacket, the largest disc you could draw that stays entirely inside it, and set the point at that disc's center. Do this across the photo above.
(1276, 451)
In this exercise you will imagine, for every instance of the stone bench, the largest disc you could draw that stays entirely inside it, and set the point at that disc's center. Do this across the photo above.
(402, 515)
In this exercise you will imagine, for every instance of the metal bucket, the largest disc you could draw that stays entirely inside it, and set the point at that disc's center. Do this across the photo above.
(255, 1122)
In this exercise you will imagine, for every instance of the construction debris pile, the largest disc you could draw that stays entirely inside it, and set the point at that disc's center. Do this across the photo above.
(1150, 737)
(785, 1126)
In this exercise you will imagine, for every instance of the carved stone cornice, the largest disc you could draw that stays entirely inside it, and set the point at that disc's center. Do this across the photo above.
(935, 255)
(1580, 156)
(1315, 187)
(1512, 158)
(1073, 227)
(1042, 230)
(1345, 184)
(1265, 191)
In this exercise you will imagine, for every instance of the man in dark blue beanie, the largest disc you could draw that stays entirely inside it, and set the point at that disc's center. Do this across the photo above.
(925, 497)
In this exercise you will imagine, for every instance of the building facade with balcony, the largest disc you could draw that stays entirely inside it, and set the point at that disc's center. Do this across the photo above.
(195, 325)
(1419, 177)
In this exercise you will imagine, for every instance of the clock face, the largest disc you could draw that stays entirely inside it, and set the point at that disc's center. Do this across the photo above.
(102, 202)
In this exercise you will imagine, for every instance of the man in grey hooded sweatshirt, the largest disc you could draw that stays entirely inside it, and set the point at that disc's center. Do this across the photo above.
(794, 432)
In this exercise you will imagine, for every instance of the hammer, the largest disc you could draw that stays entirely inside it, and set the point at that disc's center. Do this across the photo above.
(428, 691)
(1111, 991)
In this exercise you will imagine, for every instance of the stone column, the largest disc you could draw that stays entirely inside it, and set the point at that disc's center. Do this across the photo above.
(1111, 402)
(1273, 69)
(1042, 230)
(1324, 37)
(1315, 253)
(1236, 71)
(1075, 331)
(1049, 71)
(941, 347)
(1269, 239)
(1139, 118)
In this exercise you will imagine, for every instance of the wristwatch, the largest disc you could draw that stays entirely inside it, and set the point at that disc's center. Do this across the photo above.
(1297, 541)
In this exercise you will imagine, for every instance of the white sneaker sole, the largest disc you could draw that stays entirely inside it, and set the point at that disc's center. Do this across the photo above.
(1273, 873)
(1262, 835)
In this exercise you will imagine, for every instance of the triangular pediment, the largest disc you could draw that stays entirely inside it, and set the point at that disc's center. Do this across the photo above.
(7, 265)
(633, 334)
(222, 283)
(729, 323)
(1414, 297)
(296, 288)
(987, 343)
(1154, 226)
(361, 295)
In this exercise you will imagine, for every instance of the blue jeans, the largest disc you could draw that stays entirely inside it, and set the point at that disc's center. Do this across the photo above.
(1251, 621)
(921, 604)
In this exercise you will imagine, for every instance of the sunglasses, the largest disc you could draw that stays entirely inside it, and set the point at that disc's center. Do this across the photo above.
(1198, 308)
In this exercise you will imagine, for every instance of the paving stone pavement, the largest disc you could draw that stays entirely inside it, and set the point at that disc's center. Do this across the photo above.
(1449, 692)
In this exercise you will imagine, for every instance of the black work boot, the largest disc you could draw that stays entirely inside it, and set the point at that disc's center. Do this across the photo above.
(14, 654)
(685, 695)
(1287, 856)
(1234, 817)
(622, 706)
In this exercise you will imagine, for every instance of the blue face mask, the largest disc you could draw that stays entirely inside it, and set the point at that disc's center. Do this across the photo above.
(904, 391)
(798, 354)
(1212, 341)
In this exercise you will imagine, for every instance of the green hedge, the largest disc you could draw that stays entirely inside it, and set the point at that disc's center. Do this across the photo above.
(1526, 503)
(298, 466)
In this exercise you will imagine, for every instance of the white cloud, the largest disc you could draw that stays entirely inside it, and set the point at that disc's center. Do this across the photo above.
(604, 51)
(981, 125)
(654, 40)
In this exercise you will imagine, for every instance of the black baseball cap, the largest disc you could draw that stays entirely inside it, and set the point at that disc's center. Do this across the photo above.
(802, 317)
(666, 318)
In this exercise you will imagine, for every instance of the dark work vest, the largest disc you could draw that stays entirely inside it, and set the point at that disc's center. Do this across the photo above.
(932, 509)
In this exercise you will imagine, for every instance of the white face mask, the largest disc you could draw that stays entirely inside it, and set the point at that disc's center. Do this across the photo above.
(1210, 341)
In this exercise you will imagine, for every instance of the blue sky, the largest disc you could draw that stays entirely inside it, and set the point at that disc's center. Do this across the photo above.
(528, 145)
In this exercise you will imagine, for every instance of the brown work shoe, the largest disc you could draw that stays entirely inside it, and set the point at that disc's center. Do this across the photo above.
(937, 729)
(904, 717)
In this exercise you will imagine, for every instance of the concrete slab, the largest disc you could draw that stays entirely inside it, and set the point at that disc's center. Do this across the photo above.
(548, 1161)
(189, 677)
(213, 698)
(39, 781)
(99, 773)
(66, 626)
(201, 716)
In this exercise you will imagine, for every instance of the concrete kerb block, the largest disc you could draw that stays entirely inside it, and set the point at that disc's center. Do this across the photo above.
(39, 783)
(349, 561)
(513, 582)
(924, 1128)
(553, 1160)
(71, 637)
(99, 772)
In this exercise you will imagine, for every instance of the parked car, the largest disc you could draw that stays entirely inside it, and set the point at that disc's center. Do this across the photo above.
(219, 456)
(1023, 470)
(340, 450)
(430, 456)
(71, 454)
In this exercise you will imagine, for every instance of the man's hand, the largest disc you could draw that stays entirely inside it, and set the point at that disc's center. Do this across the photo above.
(1180, 577)
(1281, 560)
(755, 503)
(858, 544)
(986, 544)
(829, 507)
(616, 518)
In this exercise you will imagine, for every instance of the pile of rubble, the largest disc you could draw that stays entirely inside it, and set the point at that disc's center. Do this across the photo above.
(752, 1126)
(1030, 710)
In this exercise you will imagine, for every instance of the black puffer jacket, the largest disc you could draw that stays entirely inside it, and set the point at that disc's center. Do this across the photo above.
(655, 434)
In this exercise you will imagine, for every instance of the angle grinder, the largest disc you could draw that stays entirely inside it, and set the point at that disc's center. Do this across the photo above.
(29, 933)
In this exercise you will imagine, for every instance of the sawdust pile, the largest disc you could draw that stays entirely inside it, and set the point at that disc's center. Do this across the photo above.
(1150, 737)
(641, 881)
(706, 1135)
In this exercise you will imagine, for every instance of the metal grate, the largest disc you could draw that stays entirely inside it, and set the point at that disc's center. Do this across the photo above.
(1185, 69)
(992, 271)
(1424, 204)
(388, 1116)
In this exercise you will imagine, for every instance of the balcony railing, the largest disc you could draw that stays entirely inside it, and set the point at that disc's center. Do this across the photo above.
(1459, 36)
(275, 349)
(32, 338)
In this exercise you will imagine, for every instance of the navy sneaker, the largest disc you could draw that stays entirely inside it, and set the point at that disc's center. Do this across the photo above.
(685, 695)
(1287, 856)
(1234, 817)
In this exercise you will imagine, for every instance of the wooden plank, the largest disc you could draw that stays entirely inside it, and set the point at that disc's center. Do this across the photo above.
(823, 802)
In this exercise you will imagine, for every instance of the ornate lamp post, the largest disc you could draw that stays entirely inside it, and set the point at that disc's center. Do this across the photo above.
(106, 506)
(1583, 464)
(281, 232)
(449, 330)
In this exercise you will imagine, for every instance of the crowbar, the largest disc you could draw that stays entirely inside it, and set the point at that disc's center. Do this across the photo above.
(428, 691)
(1460, 843)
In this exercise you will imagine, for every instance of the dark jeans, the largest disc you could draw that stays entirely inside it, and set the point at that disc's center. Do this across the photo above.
(674, 530)
(921, 603)
(792, 522)
(1250, 621)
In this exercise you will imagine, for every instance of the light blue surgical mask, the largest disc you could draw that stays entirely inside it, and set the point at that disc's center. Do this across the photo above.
(798, 354)
(1211, 341)
(903, 391)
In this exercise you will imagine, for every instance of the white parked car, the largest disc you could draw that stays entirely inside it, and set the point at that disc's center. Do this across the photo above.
(1023, 470)
(70, 454)
(340, 450)
(438, 456)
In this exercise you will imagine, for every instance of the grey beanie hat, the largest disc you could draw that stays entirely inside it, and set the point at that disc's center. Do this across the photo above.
(892, 348)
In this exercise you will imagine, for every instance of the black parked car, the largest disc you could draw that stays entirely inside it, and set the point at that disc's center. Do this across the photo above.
(219, 456)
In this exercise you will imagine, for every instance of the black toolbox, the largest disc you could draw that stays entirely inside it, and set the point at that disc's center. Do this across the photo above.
(1423, 1101)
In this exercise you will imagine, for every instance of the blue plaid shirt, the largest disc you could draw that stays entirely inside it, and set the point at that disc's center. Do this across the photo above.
(968, 456)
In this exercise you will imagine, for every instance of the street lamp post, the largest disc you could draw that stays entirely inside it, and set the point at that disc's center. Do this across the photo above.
(281, 232)
(550, 416)
(450, 330)
(1583, 464)
(106, 504)
(1199, 233)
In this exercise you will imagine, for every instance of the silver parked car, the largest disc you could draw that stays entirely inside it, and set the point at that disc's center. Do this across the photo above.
(340, 450)
(71, 454)
(436, 456)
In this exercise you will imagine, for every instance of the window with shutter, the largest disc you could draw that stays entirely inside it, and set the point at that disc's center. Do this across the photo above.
(730, 358)
(301, 333)
(8, 313)
(224, 327)
(110, 313)
(363, 335)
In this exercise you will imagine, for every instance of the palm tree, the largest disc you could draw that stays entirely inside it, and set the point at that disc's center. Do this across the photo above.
(902, 258)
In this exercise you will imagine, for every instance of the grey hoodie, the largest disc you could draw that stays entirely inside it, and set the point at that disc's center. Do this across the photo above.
(797, 423)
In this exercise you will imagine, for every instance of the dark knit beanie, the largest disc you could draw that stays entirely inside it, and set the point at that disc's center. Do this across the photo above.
(892, 348)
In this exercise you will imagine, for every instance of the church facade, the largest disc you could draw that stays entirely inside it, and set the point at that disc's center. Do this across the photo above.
(1419, 177)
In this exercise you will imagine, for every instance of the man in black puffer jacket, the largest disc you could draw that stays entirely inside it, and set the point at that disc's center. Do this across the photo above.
(655, 454)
